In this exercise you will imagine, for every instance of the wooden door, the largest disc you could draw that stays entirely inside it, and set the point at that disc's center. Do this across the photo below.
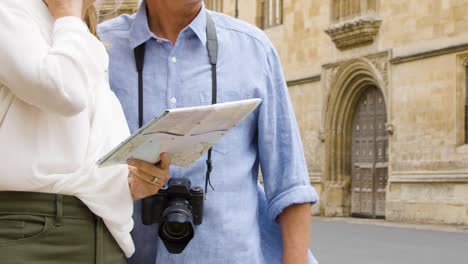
(369, 156)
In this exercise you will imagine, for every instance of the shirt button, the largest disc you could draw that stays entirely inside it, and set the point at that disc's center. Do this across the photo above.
(173, 100)
(173, 59)
(159, 41)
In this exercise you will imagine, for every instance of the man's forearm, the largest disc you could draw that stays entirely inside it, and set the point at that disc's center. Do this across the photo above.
(295, 230)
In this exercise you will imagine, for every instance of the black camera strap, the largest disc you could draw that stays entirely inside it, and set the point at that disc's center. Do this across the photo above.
(140, 63)
(212, 46)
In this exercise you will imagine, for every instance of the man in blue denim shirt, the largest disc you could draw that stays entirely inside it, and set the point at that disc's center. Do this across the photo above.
(242, 224)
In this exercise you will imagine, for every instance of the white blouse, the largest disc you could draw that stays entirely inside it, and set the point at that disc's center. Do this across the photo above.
(58, 115)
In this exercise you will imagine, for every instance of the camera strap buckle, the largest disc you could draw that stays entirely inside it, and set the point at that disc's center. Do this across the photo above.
(209, 165)
(209, 169)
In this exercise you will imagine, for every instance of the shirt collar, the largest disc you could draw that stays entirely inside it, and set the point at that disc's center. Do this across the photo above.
(198, 25)
(140, 31)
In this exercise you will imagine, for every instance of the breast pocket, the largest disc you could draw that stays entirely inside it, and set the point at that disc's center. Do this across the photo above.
(229, 142)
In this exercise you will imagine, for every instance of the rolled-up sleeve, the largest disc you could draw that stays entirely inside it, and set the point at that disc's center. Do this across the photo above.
(281, 155)
(56, 76)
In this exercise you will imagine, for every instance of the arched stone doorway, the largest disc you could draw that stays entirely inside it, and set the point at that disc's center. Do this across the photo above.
(351, 81)
(369, 156)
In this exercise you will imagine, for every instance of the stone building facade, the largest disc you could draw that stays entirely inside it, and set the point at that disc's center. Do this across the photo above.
(380, 94)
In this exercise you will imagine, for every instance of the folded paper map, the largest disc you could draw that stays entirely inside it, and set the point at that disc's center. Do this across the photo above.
(185, 133)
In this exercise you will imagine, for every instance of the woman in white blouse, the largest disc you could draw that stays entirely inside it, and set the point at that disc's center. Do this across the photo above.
(57, 117)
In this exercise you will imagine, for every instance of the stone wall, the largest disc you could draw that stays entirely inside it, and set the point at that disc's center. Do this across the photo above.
(407, 26)
(429, 162)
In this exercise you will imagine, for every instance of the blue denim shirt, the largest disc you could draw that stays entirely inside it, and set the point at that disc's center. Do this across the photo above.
(239, 218)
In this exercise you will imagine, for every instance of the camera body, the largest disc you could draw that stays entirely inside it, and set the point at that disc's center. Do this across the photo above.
(179, 194)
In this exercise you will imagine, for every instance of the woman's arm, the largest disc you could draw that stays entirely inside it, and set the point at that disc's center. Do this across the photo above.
(63, 8)
(57, 76)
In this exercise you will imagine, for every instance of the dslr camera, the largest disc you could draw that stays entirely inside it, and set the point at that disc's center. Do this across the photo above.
(177, 208)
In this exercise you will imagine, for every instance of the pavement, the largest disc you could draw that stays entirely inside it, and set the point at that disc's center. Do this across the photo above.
(368, 241)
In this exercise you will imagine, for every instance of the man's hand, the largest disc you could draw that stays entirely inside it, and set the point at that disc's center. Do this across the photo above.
(63, 8)
(295, 230)
(145, 178)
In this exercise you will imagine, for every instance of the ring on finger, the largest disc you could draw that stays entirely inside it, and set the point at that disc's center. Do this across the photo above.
(155, 181)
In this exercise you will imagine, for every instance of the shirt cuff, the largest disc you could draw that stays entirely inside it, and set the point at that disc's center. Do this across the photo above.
(296, 195)
(70, 22)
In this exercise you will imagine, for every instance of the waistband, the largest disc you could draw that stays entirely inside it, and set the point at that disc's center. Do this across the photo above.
(45, 204)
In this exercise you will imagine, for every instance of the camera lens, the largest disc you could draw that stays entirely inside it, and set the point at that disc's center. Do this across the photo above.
(176, 229)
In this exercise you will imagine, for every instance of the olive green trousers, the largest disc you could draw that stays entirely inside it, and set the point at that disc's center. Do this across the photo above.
(38, 228)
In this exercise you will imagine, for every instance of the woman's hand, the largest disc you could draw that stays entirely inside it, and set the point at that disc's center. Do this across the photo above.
(146, 178)
(63, 8)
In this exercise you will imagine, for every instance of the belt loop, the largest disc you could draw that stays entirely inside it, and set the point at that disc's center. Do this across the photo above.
(58, 209)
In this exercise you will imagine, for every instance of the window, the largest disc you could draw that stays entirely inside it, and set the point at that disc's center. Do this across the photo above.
(348, 9)
(354, 23)
(215, 5)
(271, 13)
(466, 103)
(462, 103)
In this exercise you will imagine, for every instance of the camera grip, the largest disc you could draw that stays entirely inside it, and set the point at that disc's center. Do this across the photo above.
(196, 201)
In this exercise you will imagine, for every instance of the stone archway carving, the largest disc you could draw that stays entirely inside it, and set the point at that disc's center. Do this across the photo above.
(345, 82)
